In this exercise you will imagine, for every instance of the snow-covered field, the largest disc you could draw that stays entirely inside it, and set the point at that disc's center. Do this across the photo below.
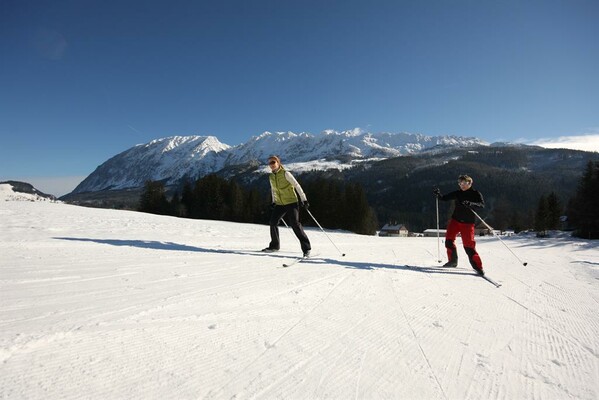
(119, 305)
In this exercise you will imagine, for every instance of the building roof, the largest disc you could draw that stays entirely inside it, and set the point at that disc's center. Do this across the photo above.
(431, 230)
(397, 227)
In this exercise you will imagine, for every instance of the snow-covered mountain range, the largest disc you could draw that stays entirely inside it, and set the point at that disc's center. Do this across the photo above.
(174, 158)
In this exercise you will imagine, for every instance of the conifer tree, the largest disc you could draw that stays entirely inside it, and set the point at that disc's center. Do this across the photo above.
(500, 214)
(362, 219)
(337, 204)
(554, 211)
(153, 198)
(209, 198)
(176, 206)
(187, 200)
(541, 217)
(517, 221)
(252, 207)
(582, 209)
(235, 201)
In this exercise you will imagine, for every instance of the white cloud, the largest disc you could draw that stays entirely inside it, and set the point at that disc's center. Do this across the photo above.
(588, 142)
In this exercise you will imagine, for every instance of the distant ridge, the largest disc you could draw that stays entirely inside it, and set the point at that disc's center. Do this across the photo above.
(172, 159)
(23, 191)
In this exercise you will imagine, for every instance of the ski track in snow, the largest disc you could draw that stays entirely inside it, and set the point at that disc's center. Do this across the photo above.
(422, 352)
(116, 304)
(274, 343)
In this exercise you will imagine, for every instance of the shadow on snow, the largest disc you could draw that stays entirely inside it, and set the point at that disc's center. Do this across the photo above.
(373, 266)
(170, 246)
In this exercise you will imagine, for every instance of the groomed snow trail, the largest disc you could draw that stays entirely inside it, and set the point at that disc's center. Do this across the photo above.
(116, 304)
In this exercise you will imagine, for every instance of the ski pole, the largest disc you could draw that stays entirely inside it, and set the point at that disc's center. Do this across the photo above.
(342, 254)
(285, 223)
(438, 239)
(494, 234)
(287, 226)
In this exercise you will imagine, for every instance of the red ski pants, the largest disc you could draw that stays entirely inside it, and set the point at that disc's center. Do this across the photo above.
(467, 232)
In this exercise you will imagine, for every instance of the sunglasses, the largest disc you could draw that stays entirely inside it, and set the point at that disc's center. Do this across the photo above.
(273, 162)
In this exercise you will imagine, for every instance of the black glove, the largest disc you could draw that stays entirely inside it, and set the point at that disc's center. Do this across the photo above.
(272, 206)
(437, 193)
(305, 204)
(467, 203)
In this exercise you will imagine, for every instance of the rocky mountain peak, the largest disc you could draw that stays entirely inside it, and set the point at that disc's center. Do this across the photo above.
(173, 158)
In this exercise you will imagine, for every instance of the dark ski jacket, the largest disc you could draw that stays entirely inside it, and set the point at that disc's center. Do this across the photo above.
(461, 213)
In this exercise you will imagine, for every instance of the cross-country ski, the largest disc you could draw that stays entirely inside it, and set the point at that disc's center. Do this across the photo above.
(485, 276)
(488, 279)
(296, 261)
(299, 260)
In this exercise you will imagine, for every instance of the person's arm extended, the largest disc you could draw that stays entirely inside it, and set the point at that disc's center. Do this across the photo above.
(479, 204)
(449, 196)
(296, 186)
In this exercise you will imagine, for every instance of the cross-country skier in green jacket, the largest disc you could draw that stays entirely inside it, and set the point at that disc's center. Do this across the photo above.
(283, 188)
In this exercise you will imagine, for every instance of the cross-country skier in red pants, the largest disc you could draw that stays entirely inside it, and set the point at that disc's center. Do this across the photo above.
(462, 221)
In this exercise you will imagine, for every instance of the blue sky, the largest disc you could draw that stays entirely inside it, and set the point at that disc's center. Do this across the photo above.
(83, 80)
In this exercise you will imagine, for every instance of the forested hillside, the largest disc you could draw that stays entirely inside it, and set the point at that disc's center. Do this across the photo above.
(512, 180)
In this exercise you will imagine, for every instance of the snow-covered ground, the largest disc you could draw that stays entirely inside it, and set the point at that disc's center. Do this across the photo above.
(8, 194)
(118, 305)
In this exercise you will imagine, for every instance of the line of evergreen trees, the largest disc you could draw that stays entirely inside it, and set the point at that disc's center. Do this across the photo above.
(548, 214)
(339, 205)
(583, 212)
(335, 205)
(510, 178)
(211, 197)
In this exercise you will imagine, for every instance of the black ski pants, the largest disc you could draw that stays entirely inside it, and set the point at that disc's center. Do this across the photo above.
(292, 213)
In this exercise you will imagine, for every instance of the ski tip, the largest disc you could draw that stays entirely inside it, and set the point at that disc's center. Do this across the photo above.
(493, 282)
